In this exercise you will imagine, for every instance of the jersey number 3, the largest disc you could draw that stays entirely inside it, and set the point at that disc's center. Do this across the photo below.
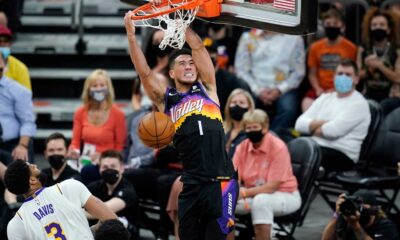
(54, 230)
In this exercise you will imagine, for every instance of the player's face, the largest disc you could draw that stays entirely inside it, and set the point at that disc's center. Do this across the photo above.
(111, 163)
(184, 70)
(56, 147)
(35, 172)
(239, 100)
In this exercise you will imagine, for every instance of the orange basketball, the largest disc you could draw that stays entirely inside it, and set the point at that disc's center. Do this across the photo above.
(156, 130)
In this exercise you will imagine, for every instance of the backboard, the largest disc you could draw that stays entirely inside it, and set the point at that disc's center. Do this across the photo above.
(285, 16)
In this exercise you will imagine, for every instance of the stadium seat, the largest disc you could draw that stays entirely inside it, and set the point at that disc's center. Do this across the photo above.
(306, 159)
(381, 172)
(328, 186)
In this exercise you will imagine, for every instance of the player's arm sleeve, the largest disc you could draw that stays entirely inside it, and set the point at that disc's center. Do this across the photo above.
(16, 230)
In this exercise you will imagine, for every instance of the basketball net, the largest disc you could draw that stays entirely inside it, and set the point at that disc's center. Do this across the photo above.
(165, 18)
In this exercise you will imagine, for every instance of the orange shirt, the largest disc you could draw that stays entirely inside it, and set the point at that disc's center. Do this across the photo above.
(325, 58)
(269, 162)
(110, 135)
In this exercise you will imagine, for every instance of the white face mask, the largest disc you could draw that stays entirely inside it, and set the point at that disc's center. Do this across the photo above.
(98, 95)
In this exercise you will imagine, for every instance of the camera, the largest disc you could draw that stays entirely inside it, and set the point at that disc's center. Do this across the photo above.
(351, 205)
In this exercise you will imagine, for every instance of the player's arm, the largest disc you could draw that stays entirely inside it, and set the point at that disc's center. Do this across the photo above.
(155, 89)
(98, 209)
(114, 204)
(202, 59)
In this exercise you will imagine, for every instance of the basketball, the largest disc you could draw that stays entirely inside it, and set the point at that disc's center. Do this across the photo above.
(156, 130)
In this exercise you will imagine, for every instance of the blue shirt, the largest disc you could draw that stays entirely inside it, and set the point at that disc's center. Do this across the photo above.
(16, 110)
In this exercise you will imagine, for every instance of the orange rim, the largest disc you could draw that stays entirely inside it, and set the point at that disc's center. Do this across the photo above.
(148, 7)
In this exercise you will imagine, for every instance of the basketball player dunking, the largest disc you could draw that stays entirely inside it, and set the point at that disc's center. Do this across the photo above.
(53, 212)
(193, 106)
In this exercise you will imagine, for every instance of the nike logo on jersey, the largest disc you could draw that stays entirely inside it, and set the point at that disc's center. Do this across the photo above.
(44, 211)
(182, 109)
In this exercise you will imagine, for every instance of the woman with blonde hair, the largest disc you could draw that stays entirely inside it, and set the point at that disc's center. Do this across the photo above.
(239, 102)
(99, 124)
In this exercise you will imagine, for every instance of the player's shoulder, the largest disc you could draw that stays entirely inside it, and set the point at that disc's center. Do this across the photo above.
(69, 184)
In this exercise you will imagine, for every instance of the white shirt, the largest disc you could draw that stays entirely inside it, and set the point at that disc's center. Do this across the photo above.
(270, 61)
(348, 119)
(53, 213)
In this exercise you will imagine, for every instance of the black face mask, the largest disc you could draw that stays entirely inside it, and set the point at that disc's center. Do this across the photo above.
(378, 35)
(56, 161)
(110, 176)
(237, 112)
(332, 32)
(255, 136)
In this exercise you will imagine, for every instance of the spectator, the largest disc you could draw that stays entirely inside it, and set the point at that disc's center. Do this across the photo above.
(325, 54)
(338, 121)
(112, 230)
(114, 190)
(379, 58)
(239, 102)
(16, 118)
(367, 222)
(56, 153)
(273, 76)
(15, 69)
(99, 123)
(227, 81)
(269, 187)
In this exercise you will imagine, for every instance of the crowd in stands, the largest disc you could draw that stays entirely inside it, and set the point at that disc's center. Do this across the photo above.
(272, 88)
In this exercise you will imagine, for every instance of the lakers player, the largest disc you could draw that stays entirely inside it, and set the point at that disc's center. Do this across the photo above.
(55, 212)
(193, 106)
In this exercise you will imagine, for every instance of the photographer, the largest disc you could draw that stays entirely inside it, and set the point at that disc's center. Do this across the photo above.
(359, 217)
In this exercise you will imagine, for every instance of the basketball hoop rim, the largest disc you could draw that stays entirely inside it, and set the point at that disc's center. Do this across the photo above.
(149, 6)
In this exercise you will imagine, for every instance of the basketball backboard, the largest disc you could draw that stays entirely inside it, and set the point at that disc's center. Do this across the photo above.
(285, 16)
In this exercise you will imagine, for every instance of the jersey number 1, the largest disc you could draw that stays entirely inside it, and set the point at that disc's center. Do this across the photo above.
(54, 230)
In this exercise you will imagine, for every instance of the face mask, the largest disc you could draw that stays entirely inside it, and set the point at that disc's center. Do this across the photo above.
(343, 83)
(379, 35)
(237, 112)
(5, 51)
(110, 176)
(365, 216)
(56, 161)
(255, 136)
(98, 95)
(332, 32)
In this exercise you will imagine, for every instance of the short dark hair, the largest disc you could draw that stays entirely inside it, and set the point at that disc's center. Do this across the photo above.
(333, 13)
(176, 53)
(347, 62)
(55, 136)
(17, 177)
(112, 230)
(112, 154)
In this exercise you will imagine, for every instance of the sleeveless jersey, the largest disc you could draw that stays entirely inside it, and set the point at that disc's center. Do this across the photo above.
(199, 137)
(53, 213)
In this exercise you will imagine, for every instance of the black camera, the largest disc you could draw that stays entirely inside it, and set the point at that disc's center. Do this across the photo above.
(351, 205)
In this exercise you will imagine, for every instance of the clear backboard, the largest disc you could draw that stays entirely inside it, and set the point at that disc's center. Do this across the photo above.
(286, 16)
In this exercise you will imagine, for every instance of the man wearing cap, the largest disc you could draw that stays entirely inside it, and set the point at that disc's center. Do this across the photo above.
(15, 69)
(369, 222)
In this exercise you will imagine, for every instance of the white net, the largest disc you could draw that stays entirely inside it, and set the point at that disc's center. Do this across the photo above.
(173, 25)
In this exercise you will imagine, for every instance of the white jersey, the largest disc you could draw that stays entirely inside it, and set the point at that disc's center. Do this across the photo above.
(54, 213)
